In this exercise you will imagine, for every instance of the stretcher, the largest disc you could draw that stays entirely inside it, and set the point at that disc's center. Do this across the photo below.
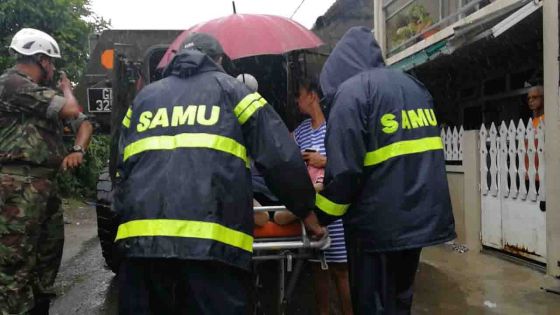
(291, 246)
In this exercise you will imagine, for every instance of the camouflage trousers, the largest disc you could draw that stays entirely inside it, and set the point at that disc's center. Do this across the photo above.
(31, 241)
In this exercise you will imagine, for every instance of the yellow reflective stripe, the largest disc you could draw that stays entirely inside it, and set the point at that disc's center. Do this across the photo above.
(187, 140)
(185, 228)
(402, 148)
(126, 119)
(251, 110)
(330, 207)
(126, 122)
(248, 106)
(245, 102)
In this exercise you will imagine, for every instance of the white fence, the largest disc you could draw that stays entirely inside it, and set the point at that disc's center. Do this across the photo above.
(512, 172)
(453, 144)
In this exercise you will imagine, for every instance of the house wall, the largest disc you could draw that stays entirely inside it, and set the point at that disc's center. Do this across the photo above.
(463, 181)
(551, 100)
(471, 192)
(456, 182)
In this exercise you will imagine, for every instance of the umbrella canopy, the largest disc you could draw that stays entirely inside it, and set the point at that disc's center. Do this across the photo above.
(245, 35)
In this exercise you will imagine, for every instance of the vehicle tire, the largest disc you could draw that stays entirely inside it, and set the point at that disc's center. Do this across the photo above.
(107, 222)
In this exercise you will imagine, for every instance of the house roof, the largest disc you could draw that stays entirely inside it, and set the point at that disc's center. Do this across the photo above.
(488, 23)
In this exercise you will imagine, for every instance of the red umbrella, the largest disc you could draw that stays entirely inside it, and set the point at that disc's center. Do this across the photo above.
(245, 35)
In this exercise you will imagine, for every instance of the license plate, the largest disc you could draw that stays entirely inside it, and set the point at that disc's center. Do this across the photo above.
(100, 100)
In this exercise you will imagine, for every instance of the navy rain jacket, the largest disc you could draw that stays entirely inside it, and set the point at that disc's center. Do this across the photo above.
(185, 188)
(386, 170)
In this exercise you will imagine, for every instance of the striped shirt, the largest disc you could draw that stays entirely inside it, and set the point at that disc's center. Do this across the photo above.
(309, 138)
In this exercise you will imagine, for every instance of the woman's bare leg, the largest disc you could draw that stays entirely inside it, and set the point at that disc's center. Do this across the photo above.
(340, 273)
(321, 283)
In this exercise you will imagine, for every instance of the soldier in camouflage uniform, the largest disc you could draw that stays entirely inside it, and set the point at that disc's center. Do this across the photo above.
(32, 117)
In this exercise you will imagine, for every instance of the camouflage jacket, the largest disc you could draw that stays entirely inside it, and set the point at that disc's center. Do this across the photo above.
(30, 129)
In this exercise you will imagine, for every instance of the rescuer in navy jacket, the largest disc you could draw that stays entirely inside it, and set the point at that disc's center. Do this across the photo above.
(184, 196)
(385, 175)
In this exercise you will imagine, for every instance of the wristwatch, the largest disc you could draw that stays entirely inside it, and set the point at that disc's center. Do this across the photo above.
(78, 148)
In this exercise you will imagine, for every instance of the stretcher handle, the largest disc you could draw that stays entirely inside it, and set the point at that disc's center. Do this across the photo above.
(322, 243)
(269, 208)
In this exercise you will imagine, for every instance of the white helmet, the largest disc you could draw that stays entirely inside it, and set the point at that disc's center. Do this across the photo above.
(29, 42)
(249, 81)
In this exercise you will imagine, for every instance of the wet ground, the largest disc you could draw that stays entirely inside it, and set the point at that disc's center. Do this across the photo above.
(474, 283)
(80, 226)
(448, 282)
(83, 285)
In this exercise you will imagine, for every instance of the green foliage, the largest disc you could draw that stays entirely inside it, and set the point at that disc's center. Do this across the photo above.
(420, 15)
(69, 21)
(415, 22)
(82, 181)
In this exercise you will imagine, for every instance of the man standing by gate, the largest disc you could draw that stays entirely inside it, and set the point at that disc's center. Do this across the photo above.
(385, 175)
(185, 197)
(535, 100)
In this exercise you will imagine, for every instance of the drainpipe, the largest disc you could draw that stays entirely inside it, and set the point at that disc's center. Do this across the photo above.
(379, 25)
(552, 131)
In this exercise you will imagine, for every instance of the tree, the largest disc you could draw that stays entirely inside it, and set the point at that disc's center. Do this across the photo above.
(69, 21)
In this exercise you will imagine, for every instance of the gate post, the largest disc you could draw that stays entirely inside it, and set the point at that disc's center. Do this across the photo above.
(379, 25)
(471, 165)
(552, 132)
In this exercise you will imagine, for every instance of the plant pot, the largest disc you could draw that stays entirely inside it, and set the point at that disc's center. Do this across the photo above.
(429, 33)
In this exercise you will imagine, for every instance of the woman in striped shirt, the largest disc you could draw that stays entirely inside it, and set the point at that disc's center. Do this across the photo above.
(310, 137)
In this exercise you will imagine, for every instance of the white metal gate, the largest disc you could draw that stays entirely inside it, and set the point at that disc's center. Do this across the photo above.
(512, 172)
(452, 144)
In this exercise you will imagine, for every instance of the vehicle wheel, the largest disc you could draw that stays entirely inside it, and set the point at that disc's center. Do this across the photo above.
(107, 222)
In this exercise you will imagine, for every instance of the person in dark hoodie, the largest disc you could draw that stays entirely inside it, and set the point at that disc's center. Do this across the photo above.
(385, 175)
(184, 195)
